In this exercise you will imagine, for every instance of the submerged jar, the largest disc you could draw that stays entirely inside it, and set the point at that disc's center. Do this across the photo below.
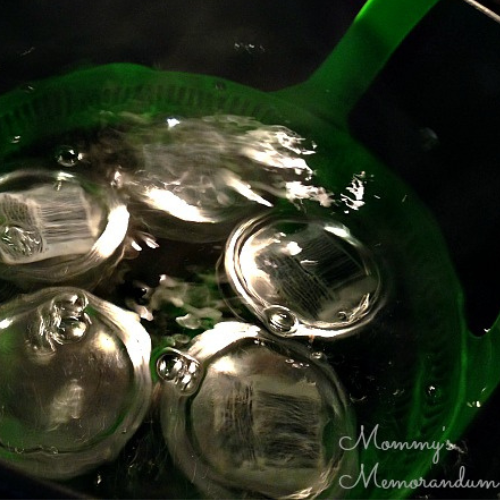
(303, 276)
(244, 413)
(58, 228)
(75, 381)
(195, 179)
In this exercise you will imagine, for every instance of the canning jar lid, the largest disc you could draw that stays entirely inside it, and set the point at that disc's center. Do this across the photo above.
(56, 226)
(75, 381)
(195, 178)
(245, 412)
(303, 276)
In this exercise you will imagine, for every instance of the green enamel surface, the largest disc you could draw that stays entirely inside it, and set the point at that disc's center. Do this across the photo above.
(439, 369)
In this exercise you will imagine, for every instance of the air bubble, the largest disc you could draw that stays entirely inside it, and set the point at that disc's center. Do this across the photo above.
(280, 320)
(318, 356)
(67, 320)
(28, 88)
(68, 156)
(169, 367)
(474, 404)
(184, 371)
(434, 393)
(73, 329)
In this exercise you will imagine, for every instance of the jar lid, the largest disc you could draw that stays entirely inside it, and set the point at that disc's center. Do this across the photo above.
(302, 276)
(246, 413)
(196, 178)
(57, 226)
(75, 381)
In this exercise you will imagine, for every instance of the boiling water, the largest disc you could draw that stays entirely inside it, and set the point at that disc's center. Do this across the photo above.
(191, 185)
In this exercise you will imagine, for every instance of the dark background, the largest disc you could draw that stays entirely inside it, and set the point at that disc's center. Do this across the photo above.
(433, 115)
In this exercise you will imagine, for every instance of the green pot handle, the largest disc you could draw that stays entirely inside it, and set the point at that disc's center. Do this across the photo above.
(343, 78)
(332, 92)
